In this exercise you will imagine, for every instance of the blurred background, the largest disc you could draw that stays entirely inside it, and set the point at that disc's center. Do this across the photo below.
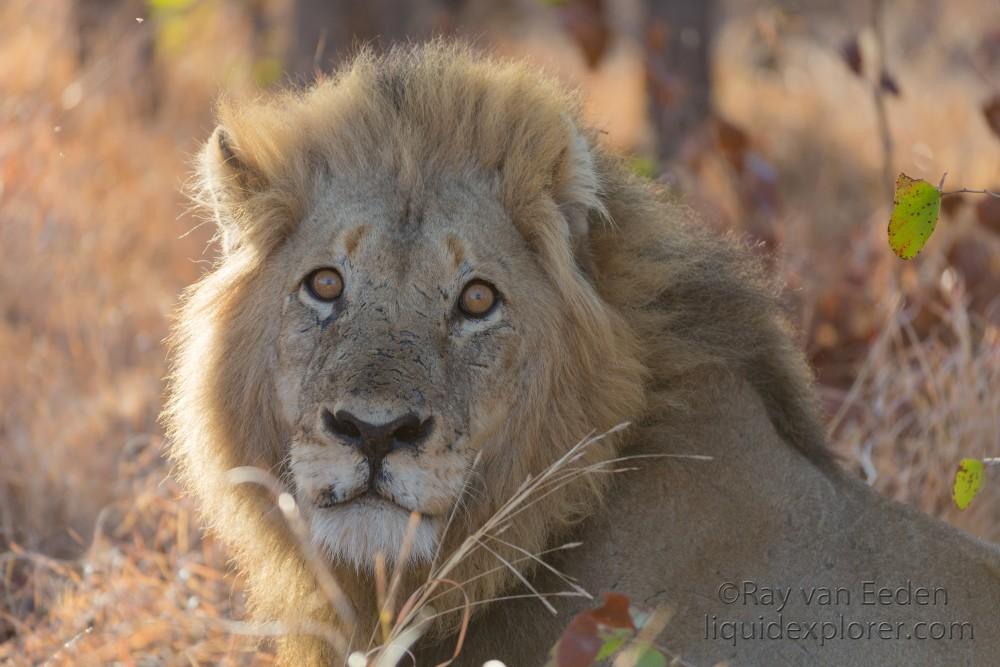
(785, 121)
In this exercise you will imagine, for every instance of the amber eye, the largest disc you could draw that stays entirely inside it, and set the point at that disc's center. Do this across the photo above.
(325, 284)
(478, 299)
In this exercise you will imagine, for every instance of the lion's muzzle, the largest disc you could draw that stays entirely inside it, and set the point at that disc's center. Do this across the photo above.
(372, 440)
(376, 440)
(361, 468)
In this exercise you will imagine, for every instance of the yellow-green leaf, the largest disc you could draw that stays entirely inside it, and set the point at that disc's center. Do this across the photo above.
(968, 480)
(915, 209)
(266, 71)
(613, 641)
(170, 5)
(645, 166)
(651, 657)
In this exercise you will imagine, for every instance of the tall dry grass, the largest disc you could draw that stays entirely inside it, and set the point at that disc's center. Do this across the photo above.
(97, 549)
(102, 561)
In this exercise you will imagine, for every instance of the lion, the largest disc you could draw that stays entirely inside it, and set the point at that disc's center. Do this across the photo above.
(433, 283)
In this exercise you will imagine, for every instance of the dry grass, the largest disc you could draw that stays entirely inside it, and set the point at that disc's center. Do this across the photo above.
(93, 263)
(101, 562)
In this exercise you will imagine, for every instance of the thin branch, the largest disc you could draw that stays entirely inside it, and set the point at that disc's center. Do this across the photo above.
(878, 96)
(971, 192)
(963, 190)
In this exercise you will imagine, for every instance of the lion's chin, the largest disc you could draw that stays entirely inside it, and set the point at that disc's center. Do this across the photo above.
(353, 533)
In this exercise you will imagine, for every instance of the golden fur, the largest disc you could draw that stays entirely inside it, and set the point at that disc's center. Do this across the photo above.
(642, 306)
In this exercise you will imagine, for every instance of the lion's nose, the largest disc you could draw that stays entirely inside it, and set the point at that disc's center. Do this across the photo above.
(376, 441)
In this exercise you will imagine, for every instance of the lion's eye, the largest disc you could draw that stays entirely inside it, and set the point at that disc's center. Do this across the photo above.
(325, 284)
(478, 299)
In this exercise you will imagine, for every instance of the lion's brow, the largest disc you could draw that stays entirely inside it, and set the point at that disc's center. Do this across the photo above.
(457, 250)
(353, 237)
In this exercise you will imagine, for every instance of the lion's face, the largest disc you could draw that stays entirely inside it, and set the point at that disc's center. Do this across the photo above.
(406, 326)
(409, 313)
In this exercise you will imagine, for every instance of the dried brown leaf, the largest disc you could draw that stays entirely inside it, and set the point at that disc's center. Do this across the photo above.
(851, 53)
(887, 82)
(586, 23)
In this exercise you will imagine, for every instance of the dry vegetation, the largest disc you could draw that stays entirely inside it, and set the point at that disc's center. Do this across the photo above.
(101, 562)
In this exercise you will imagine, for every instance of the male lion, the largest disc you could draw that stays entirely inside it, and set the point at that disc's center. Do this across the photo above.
(433, 283)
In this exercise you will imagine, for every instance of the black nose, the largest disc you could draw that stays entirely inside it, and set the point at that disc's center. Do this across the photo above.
(377, 440)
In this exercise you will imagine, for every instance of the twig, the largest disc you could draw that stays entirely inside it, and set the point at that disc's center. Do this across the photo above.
(380, 599)
(318, 54)
(971, 192)
(387, 612)
(878, 96)
(389, 654)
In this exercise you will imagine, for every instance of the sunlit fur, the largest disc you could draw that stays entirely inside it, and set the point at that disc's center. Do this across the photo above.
(649, 301)
(354, 538)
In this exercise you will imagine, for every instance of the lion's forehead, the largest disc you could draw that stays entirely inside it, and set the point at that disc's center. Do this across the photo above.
(454, 217)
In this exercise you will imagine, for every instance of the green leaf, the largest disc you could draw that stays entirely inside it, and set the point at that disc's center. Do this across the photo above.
(174, 34)
(651, 657)
(266, 71)
(169, 5)
(968, 481)
(612, 642)
(645, 166)
(915, 209)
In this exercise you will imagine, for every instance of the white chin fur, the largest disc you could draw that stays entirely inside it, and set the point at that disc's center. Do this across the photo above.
(354, 533)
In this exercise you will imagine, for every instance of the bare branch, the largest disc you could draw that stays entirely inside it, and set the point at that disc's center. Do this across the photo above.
(971, 192)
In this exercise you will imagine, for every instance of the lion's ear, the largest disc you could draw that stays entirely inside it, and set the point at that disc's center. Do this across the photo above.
(229, 181)
(578, 194)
